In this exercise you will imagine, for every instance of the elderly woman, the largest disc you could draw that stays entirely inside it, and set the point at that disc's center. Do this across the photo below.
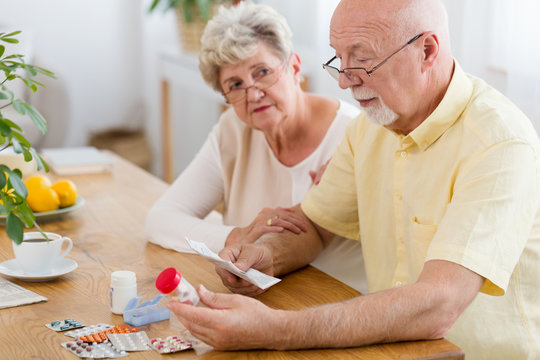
(265, 150)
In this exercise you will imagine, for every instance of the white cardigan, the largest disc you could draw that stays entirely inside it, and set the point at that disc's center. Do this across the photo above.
(237, 168)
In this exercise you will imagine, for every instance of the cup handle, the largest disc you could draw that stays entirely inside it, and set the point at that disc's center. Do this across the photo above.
(70, 245)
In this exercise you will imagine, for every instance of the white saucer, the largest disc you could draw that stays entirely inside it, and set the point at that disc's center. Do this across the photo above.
(62, 267)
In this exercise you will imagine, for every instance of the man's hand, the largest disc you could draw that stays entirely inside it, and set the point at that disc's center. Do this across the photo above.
(224, 324)
(268, 220)
(245, 256)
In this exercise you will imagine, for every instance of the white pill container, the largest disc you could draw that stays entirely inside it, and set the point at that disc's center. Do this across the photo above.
(123, 289)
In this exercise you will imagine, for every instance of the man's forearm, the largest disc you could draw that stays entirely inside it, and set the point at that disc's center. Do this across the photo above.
(424, 310)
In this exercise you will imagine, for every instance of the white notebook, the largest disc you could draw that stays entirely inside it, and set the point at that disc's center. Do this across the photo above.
(77, 160)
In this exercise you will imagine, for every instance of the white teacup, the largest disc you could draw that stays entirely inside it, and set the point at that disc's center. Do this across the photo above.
(37, 255)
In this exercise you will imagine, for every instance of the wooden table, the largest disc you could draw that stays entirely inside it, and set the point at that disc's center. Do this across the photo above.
(107, 233)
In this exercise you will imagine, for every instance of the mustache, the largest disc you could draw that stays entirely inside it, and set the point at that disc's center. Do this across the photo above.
(363, 93)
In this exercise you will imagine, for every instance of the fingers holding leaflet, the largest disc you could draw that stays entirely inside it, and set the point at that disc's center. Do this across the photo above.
(236, 284)
(245, 257)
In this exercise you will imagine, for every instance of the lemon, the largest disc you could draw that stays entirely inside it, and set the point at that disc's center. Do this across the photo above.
(67, 192)
(36, 182)
(43, 199)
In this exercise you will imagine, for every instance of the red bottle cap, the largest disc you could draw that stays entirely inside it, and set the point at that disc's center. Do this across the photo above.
(168, 280)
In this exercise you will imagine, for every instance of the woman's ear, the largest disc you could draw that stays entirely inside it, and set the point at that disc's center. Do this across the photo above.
(430, 50)
(296, 65)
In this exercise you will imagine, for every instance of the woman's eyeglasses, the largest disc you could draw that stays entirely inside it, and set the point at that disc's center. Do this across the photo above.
(263, 79)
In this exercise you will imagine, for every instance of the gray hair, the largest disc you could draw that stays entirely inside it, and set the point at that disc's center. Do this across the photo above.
(236, 32)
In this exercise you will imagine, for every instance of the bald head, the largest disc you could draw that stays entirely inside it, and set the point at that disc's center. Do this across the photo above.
(394, 21)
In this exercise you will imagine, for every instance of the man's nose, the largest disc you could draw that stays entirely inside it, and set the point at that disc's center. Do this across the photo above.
(347, 79)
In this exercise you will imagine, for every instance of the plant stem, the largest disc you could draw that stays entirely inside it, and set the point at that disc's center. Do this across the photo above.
(1, 107)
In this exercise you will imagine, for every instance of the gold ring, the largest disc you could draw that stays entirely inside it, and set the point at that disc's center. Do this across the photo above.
(269, 222)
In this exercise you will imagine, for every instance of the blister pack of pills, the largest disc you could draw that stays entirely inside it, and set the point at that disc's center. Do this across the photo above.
(63, 325)
(100, 335)
(93, 351)
(87, 330)
(137, 341)
(170, 344)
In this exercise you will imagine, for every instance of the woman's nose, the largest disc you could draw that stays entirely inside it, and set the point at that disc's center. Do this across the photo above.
(253, 93)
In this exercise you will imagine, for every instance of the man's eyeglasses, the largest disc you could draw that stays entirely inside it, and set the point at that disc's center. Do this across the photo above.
(263, 78)
(334, 72)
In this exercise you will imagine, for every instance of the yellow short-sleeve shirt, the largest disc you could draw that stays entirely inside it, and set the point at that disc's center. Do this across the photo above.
(464, 187)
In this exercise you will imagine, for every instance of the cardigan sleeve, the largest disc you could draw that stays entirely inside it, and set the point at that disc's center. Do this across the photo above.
(181, 210)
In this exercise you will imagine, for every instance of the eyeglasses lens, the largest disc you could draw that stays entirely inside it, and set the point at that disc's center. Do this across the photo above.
(262, 83)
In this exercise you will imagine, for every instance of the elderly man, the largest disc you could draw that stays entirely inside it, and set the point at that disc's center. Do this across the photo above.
(438, 179)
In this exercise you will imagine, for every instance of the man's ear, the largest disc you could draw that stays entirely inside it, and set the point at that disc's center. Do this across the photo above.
(430, 50)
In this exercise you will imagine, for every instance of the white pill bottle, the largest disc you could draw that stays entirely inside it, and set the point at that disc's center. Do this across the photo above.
(123, 289)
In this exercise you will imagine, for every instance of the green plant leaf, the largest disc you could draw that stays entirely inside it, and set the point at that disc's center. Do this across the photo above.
(153, 6)
(16, 145)
(3, 179)
(10, 40)
(9, 92)
(3, 96)
(2, 49)
(12, 124)
(27, 155)
(45, 72)
(14, 228)
(18, 105)
(11, 34)
(37, 118)
(5, 129)
(15, 179)
(15, 56)
(30, 69)
(21, 139)
(41, 164)
(28, 83)
(26, 215)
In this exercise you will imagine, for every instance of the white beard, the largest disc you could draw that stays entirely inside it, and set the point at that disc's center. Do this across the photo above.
(379, 114)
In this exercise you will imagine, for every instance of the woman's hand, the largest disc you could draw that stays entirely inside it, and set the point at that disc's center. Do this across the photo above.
(317, 175)
(268, 220)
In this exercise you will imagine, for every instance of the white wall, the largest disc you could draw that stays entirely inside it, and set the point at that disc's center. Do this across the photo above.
(94, 48)
(470, 23)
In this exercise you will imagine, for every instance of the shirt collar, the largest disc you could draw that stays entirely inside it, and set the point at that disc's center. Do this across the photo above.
(445, 114)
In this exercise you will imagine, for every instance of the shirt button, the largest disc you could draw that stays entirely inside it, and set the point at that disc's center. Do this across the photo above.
(403, 154)
(399, 283)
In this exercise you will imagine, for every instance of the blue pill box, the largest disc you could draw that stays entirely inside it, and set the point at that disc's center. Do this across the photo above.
(145, 313)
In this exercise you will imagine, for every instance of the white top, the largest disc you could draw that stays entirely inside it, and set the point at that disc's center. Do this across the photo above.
(237, 168)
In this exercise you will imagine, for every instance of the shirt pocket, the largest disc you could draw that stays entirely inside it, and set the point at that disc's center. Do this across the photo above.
(421, 236)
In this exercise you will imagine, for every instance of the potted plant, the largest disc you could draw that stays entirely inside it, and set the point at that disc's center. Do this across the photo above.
(13, 192)
(192, 16)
